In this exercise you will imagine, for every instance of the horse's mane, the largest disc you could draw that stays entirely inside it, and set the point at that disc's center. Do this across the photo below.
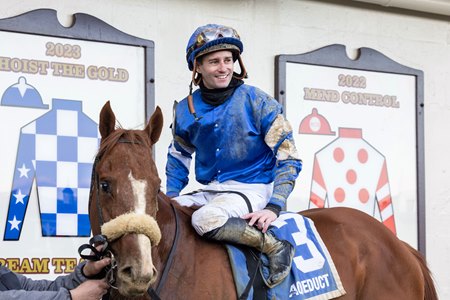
(123, 135)
(188, 211)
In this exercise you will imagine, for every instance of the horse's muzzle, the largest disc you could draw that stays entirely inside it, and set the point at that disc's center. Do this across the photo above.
(132, 283)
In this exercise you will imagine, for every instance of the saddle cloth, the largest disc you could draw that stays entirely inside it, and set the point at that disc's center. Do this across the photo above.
(313, 274)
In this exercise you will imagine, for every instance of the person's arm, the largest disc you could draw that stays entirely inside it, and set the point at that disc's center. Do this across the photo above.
(88, 290)
(179, 159)
(279, 138)
(74, 286)
(91, 289)
(62, 294)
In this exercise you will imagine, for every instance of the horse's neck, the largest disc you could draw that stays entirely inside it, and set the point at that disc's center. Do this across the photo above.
(193, 255)
(175, 225)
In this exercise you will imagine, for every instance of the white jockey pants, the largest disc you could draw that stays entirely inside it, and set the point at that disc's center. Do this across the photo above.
(216, 208)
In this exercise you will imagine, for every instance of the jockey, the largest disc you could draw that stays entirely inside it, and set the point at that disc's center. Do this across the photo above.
(244, 151)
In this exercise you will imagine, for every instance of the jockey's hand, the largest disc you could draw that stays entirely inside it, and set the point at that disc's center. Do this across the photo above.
(261, 219)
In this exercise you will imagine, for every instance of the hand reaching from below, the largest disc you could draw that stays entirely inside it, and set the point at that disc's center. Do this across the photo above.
(90, 290)
(92, 268)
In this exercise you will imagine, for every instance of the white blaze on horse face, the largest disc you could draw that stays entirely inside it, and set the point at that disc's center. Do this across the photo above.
(139, 188)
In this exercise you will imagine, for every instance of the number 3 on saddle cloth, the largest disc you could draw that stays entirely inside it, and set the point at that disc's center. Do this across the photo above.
(313, 274)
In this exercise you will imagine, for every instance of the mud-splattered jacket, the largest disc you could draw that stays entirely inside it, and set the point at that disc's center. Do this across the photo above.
(245, 139)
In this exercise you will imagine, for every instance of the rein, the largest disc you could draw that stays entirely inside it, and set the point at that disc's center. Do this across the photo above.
(105, 251)
(151, 292)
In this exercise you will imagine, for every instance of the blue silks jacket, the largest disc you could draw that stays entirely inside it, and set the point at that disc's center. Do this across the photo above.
(230, 143)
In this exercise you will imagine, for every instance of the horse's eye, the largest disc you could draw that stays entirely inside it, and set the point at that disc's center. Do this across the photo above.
(105, 187)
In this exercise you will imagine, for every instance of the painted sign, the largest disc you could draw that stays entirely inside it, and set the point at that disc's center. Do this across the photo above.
(52, 89)
(356, 130)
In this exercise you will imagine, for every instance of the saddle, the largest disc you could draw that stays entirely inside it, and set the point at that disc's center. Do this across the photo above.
(313, 274)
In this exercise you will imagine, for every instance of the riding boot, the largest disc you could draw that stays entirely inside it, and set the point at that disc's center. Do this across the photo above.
(279, 252)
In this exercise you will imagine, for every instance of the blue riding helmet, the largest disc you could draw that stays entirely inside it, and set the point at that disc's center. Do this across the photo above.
(212, 37)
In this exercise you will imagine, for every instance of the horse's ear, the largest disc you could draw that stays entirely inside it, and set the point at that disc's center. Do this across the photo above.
(154, 126)
(107, 120)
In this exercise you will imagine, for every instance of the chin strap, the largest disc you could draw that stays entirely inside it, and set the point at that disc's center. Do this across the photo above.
(191, 103)
(196, 78)
(243, 73)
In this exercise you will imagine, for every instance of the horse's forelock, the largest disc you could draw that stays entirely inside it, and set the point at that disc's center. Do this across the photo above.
(131, 136)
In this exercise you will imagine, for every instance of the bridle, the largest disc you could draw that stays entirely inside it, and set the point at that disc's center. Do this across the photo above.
(102, 240)
(98, 254)
(99, 239)
(109, 271)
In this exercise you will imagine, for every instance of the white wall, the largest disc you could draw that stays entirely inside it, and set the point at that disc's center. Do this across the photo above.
(271, 27)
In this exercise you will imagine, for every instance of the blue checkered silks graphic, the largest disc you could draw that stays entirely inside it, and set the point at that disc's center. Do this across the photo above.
(21, 94)
(56, 150)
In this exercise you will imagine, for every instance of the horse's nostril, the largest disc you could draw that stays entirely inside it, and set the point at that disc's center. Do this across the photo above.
(134, 274)
(127, 271)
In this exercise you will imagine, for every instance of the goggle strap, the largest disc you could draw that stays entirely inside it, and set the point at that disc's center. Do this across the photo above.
(243, 73)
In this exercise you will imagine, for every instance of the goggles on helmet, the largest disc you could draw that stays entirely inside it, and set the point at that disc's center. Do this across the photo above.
(211, 34)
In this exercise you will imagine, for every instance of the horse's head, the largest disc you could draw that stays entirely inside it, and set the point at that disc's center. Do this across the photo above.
(123, 199)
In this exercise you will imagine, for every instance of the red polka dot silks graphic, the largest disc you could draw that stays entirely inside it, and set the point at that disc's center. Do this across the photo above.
(351, 172)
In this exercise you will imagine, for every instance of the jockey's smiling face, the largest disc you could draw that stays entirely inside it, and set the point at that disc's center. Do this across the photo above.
(216, 69)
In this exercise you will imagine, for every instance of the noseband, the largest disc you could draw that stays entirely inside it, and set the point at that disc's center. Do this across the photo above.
(132, 223)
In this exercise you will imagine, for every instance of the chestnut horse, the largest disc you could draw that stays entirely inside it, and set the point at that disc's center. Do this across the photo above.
(157, 252)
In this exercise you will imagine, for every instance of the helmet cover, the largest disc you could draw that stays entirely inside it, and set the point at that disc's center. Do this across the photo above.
(210, 38)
